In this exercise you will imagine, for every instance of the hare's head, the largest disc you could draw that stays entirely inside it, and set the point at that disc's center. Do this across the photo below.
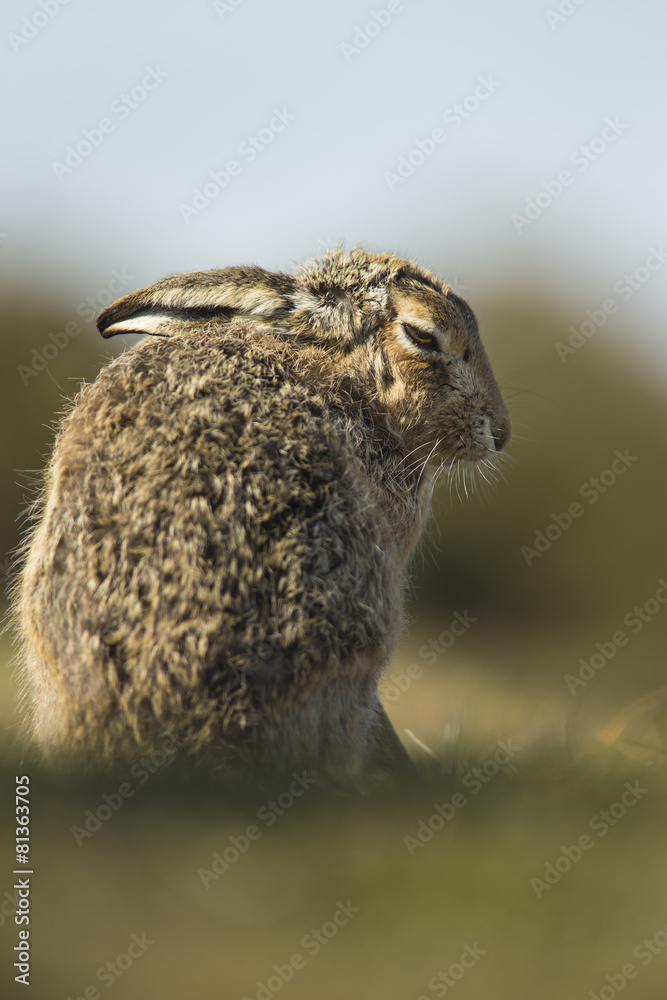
(408, 343)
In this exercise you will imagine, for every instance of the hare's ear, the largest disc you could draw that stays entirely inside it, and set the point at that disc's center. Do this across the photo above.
(339, 300)
(234, 291)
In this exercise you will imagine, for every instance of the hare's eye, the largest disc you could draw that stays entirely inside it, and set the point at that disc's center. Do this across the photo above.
(420, 337)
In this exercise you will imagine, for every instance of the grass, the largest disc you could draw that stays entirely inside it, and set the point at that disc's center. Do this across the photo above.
(419, 907)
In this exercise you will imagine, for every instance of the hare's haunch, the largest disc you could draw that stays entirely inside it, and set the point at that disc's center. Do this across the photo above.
(221, 547)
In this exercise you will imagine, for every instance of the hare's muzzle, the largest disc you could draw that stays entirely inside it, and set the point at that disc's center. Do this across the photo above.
(501, 431)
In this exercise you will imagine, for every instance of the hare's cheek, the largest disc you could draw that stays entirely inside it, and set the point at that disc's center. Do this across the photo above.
(399, 397)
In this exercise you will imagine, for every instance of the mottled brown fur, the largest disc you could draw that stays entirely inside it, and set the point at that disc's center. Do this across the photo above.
(221, 548)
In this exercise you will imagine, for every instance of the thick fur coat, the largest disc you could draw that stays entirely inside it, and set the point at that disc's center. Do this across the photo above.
(221, 547)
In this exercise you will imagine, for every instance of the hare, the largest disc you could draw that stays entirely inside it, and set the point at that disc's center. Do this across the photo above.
(224, 534)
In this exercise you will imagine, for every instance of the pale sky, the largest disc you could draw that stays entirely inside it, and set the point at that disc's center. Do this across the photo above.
(316, 106)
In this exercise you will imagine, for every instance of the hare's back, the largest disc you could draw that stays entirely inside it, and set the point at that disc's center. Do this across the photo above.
(211, 520)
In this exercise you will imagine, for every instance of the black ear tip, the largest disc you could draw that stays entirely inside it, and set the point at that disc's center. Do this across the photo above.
(105, 320)
(114, 320)
(124, 318)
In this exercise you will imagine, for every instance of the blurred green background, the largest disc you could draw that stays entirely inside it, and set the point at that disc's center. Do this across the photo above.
(541, 668)
(504, 679)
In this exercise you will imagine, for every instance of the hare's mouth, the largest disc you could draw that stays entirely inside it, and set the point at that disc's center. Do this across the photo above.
(478, 442)
(475, 442)
(470, 465)
(473, 472)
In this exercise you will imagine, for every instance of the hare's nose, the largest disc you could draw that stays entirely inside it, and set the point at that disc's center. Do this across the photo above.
(501, 430)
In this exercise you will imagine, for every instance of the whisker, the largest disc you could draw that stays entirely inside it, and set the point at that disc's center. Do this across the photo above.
(425, 464)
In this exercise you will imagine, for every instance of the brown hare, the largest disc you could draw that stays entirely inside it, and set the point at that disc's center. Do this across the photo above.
(221, 547)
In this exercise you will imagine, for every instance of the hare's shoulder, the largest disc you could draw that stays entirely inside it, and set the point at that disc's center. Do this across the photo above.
(215, 413)
(207, 377)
